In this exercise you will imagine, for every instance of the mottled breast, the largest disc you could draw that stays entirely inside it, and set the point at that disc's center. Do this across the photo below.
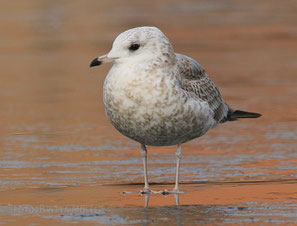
(151, 108)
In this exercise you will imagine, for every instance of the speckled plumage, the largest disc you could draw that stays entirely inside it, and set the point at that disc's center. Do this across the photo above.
(165, 101)
(157, 97)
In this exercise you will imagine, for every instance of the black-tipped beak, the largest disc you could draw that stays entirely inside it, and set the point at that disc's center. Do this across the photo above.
(95, 62)
(101, 60)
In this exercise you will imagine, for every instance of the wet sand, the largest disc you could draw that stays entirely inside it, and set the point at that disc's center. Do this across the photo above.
(62, 162)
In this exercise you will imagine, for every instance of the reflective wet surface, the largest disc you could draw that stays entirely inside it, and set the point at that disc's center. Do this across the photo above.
(61, 161)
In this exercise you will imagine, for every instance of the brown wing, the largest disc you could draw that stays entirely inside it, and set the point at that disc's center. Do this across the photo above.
(195, 80)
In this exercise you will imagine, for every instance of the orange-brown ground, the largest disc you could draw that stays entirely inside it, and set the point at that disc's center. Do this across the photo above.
(61, 161)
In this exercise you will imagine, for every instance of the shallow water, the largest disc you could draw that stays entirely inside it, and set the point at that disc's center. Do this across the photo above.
(62, 162)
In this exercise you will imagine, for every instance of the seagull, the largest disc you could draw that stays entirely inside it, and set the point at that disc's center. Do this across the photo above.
(158, 97)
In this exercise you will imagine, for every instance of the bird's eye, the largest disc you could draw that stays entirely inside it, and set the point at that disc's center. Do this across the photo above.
(134, 47)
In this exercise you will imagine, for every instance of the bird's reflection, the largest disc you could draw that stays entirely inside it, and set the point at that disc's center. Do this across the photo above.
(147, 199)
(176, 199)
(148, 195)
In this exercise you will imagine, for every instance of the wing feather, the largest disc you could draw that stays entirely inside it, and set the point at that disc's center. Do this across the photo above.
(195, 80)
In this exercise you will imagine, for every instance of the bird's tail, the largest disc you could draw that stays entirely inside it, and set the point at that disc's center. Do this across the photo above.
(234, 115)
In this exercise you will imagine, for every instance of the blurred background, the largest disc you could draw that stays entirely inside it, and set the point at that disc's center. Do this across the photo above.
(53, 129)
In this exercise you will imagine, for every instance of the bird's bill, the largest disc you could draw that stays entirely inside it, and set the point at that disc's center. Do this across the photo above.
(101, 60)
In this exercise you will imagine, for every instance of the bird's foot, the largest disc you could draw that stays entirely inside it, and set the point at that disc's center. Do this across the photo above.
(142, 192)
(175, 191)
(149, 191)
(146, 192)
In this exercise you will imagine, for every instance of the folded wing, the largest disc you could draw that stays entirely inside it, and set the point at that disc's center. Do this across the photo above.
(195, 80)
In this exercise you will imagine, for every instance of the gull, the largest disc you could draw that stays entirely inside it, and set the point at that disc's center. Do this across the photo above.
(158, 97)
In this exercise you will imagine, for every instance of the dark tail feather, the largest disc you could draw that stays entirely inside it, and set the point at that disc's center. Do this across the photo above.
(232, 116)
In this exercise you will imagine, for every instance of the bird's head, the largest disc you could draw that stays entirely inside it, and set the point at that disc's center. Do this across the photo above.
(139, 45)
